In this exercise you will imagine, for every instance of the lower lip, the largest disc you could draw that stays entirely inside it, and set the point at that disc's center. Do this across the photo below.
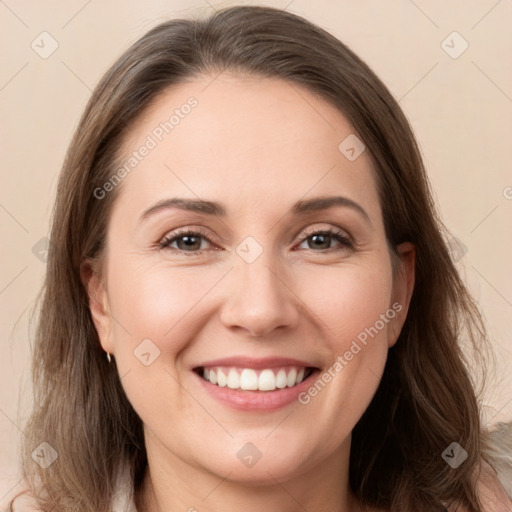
(256, 400)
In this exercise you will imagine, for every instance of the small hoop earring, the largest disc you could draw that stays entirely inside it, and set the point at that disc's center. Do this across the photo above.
(109, 359)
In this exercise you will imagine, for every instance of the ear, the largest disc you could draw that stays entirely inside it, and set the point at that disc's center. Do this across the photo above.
(98, 303)
(403, 287)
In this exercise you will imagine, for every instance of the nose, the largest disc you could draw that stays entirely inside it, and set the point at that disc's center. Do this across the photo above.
(260, 300)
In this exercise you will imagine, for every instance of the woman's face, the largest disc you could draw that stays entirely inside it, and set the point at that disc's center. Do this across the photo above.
(248, 289)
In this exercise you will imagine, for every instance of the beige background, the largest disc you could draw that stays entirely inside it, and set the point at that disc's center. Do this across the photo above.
(460, 109)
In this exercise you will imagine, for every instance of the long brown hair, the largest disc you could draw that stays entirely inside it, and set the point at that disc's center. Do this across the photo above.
(426, 399)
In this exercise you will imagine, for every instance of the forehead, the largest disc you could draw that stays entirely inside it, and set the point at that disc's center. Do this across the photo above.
(242, 140)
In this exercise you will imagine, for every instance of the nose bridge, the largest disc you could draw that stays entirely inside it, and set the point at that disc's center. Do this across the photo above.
(259, 301)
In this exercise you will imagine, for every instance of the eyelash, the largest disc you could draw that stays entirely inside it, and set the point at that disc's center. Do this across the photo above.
(346, 243)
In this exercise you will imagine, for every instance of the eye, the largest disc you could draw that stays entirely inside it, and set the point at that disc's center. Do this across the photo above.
(190, 241)
(187, 241)
(321, 239)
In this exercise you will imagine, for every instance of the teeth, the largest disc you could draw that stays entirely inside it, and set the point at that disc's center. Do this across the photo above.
(267, 381)
(233, 379)
(281, 379)
(248, 379)
(292, 378)
(222, 380)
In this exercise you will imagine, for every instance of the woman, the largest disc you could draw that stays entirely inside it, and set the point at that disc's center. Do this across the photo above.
(199, 348)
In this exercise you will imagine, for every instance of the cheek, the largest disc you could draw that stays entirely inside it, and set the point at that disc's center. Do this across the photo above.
(354, 307)
(169, 304)
(162, 304)
(347, 300)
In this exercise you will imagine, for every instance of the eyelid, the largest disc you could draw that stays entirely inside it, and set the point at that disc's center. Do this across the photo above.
(334, 229)
(345, 239)
(184, 231)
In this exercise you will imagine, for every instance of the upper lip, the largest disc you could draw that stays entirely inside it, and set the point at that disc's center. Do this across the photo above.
(256, 363)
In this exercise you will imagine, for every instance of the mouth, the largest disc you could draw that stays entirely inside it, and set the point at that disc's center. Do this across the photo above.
(255, 385)
(255, 379)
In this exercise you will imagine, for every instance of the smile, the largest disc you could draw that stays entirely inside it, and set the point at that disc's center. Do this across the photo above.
(255, 385)
(249, 379)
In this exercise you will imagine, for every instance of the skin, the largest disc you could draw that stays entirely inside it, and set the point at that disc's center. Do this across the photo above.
(256, 145)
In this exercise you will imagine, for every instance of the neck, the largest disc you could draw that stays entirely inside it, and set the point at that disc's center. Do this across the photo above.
(173, 484)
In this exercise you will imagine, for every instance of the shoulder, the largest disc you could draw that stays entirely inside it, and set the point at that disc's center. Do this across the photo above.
(498, 452)
(23, 499)
(491, 491)
(20, 501)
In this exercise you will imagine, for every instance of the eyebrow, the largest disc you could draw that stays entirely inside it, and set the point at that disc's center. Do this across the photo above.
(301, 207)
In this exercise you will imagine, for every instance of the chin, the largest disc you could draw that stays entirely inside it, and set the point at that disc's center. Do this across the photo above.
(252, 466)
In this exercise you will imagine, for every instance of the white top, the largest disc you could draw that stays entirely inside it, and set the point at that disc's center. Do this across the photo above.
(124, 495)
